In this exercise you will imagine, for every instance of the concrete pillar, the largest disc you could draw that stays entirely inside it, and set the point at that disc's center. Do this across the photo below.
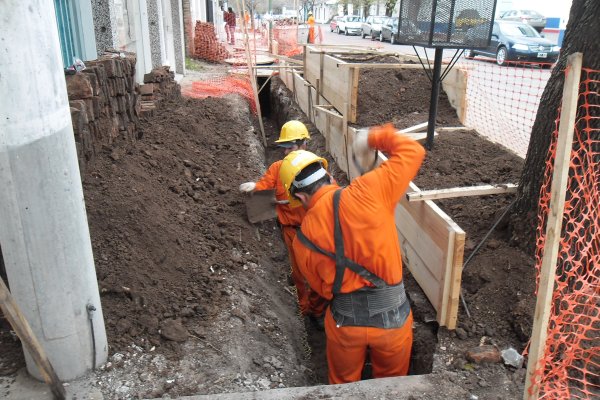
(44, 233)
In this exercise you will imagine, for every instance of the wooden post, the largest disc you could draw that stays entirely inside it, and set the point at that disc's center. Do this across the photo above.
(251, 71)
(554, 225)
(21, 326)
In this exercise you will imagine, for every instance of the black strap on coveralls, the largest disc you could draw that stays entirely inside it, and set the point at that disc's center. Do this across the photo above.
(382, 306)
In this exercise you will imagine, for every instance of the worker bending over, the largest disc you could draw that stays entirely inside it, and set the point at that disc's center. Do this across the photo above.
(347, 249)
(293, 136)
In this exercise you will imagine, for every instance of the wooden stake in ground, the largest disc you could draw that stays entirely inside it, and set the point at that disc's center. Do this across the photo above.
(23, 330)
(554, 225)
(251, 70)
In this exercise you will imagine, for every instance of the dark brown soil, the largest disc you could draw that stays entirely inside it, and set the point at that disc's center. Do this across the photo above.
(398, 96)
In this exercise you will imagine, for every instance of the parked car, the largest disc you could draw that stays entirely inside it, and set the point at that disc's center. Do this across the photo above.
(515, 41)
(349, 25)
(334, 23)
(467, 19)
(372, 26)
(533, 18)
(389, 30)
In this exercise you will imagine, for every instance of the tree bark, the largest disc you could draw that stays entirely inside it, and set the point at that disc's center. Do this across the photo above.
(581, 35)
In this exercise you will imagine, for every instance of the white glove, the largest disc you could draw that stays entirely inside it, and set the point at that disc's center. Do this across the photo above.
(247, 187)
(363, 156)
(361, 142)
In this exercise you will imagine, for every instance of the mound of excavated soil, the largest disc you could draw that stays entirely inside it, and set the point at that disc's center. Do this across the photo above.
(400, 97)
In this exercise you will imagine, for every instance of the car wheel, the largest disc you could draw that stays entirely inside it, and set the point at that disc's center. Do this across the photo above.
(346, 32)
(381, 36)
(362, 34)
(501, 56)
(469, 54)
(392, 40)
(338, 30)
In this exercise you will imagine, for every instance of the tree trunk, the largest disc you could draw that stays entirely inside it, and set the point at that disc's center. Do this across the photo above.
(581, 35)
(389, 7)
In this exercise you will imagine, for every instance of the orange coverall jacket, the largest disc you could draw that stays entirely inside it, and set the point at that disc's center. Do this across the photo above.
(371, 240)
(285, 214)
(309, 301)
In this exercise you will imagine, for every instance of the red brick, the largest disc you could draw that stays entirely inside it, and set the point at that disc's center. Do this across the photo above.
(79, 86)
(484, 354)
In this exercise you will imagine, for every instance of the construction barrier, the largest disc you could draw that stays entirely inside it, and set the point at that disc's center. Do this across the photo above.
(237, 83)
(501, 102)
(570, 366)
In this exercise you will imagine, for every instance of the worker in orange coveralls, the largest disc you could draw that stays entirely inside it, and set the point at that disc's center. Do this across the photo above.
(311, 27)
(292, 137)
(347, 249)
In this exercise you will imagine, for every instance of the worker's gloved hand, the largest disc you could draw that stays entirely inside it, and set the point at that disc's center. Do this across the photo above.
(247, 187)
(363, 156)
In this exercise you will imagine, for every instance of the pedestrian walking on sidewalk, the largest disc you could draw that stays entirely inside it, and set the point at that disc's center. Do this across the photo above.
(230, 25)
(293, 136)
(347, 249)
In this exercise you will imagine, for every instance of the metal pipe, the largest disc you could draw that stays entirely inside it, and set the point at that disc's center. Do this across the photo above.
(435, 92)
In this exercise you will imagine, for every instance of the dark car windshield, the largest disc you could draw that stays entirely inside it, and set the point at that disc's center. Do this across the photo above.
(519, 30)
(353, 19)
(379, 20)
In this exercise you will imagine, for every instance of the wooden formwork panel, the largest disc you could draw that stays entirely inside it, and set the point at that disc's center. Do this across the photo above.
(455, 86)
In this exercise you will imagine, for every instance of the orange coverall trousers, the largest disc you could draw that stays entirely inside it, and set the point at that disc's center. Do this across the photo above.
(389, 350)
(309, 301)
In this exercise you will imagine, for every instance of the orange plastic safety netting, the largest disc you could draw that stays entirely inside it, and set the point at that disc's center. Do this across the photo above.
(237, 83)
(570, 368)
(501, 101)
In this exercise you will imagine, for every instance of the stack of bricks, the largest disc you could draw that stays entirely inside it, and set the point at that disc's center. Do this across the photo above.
(207, 46)
(104, 103)
(158, 85)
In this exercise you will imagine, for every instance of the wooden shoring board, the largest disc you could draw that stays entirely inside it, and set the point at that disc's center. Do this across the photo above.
(301, 92)
(481, 190)
(435, 244)
(455, 86)
(383, 66)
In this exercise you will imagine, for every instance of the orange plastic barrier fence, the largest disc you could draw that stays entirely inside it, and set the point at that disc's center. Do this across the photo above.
(502, 101)
(221, 86)
(571, 363)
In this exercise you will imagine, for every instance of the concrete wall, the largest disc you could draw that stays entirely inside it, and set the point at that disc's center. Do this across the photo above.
(105, 25)
(178, 42)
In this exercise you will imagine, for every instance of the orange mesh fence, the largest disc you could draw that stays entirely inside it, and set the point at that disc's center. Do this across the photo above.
(217, 86)
(570, 368)
(206, 44)
(502, 101)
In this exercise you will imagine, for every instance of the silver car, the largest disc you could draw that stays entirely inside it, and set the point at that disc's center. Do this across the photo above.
(372, 26)
(533, 18)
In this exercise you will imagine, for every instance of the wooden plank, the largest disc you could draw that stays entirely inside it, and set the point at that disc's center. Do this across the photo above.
(415, 128)
(301, 93)
(453, 295)
(383, 66)
(553, 225)
(481, 190)
(353, 74)
(334, 86)
(418, 136)
(455, 86)
(325, 110)
(452, 128)
(17, 321)
(337, 143)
